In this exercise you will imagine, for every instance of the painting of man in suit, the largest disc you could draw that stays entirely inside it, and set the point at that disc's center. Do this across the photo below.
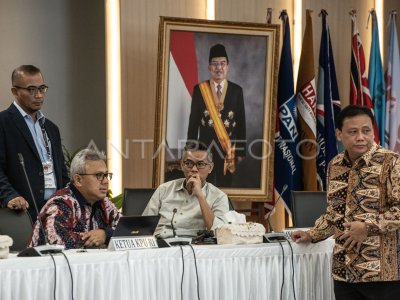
(217, 118)
(238, 64)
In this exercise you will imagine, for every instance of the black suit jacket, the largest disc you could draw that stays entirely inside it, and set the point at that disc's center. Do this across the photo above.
(15, 138)
(232, 115)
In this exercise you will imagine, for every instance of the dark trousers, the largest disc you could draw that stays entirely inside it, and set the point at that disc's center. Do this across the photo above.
(382, 290)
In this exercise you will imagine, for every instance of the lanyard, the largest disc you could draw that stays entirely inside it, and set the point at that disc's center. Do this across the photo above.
(46, 141)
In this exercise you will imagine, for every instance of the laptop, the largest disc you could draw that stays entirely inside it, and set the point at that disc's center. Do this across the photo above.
(135, 226)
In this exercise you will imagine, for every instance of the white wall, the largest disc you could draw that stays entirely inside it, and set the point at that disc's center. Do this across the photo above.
(65, 39)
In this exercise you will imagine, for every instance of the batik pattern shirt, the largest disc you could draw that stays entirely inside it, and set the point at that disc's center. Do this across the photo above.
(368, 191)
(67, 215)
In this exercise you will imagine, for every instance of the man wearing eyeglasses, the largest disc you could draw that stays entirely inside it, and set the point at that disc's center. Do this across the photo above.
(217, 118)
(80, 215)
(363, 212)
(189, 204)
(25, 130)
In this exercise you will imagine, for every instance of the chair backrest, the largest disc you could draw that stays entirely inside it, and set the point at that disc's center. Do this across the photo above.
(17, 225)
(231, 207)
(307, 207)
(135, 200)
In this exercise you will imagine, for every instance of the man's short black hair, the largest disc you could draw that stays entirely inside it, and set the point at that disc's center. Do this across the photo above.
(24, 69)
(352, 111)
(195, 145)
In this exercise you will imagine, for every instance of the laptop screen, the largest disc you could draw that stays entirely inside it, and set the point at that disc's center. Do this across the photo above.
(132, 226)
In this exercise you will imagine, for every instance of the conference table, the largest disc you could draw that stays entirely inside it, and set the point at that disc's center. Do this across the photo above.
(261, 271)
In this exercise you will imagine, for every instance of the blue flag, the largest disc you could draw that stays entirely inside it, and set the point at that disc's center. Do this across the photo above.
(392, 77)
(376, 80)
(328, 103)
(287, 164)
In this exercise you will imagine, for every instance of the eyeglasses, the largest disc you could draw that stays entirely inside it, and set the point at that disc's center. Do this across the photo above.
(216, 64)
(199, 164)
(100, 176)
(33, 90)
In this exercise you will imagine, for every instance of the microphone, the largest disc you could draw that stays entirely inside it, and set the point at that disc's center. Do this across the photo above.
(284, 188)
(43, 249)
(274, 237)
(172, 221)
(175, 240)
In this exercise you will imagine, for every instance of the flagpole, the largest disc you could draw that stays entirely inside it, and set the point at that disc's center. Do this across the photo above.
(353, 14)
(268, 18)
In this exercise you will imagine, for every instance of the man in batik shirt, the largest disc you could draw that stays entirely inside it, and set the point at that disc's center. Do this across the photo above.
(80, 214)
(363, 212)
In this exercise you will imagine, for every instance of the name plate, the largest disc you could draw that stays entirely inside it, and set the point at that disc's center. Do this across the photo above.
(132, 243)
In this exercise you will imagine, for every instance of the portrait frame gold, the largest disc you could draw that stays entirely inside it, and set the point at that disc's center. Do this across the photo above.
(257, 47)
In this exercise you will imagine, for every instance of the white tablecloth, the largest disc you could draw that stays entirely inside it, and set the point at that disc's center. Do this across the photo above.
(98, 275)
(234, 272)
(225, 272)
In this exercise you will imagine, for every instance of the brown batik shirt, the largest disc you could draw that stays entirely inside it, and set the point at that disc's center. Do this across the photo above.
(368, 191)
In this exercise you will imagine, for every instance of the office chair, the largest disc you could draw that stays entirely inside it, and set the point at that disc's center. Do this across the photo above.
(17, 225)
(135, 200)
(307, 207)
(231, 207)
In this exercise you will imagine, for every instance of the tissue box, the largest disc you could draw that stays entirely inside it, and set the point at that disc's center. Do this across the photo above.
(246, 233)
(5, 243)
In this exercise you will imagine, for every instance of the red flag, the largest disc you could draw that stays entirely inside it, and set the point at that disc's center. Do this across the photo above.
(359, 87)
(183, 76)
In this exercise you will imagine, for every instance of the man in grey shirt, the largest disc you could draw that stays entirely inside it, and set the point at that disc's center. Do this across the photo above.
(191, 203)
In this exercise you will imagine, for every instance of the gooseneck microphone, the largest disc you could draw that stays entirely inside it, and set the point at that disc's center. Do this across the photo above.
(284, 188)
(22, 162)
(271, 236)
(175, 240)
(172, 221)
(44, 249)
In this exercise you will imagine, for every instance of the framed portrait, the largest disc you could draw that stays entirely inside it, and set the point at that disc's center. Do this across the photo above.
(235, 119)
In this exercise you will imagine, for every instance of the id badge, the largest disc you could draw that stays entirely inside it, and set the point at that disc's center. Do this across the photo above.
(49, 182)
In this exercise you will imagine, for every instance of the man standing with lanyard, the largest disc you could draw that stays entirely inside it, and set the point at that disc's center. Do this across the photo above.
(25, 130)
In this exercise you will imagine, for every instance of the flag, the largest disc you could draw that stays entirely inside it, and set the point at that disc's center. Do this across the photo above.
(183, 76)
(393, 91)
(359, 88)
(328, 103)
(306, 102)
(376, 79)
(287, 164)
